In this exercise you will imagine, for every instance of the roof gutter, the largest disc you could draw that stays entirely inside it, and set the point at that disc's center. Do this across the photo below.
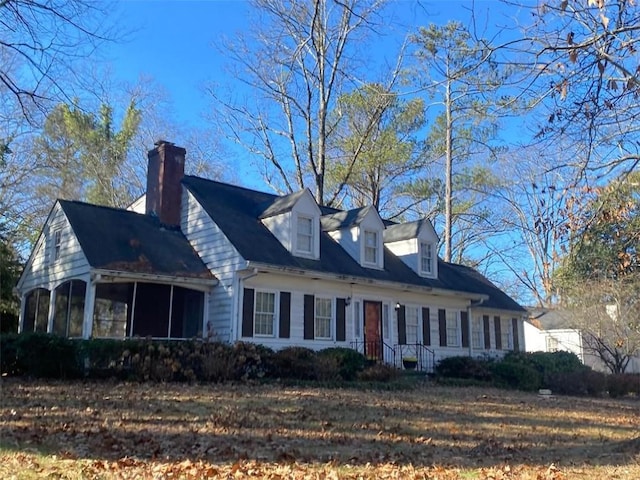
(100, 275)
(362, 281)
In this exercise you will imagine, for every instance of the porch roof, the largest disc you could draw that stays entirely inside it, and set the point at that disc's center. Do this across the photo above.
(125, 241)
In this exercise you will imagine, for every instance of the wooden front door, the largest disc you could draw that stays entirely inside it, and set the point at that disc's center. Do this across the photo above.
(373, 330)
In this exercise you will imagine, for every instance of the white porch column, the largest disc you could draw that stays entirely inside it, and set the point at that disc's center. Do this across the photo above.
(89, 303)
(52, 310)
(23, 308)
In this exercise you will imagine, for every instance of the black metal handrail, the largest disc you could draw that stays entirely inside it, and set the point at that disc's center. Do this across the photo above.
(376, 351)
(419, 353)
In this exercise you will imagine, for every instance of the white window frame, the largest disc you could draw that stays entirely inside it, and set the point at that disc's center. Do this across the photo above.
(273, 314)
(426, 248)
(453, 328)
(412, 324)
(505, 334)
(56, 244)
(375, 248)
(306, 235)
(477, 332)
(327, 320)
(385, 321)
(552, 344)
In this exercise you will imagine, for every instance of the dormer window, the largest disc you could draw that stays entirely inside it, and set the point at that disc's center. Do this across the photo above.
(371, 247)
(304, 230)
(294, 220)
(426, 258)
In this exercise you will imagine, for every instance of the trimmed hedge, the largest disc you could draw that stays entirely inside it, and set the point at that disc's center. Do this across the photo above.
(43, 355)
(562, 372)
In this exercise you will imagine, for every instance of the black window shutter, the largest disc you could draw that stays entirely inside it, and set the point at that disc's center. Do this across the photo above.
(341, 328)
(402, 325)
(309, 308)
(426, 326)
(516, 339)
(247, 312)
(442, 326)
(487, 332)
(464, 320)
(285, 315)
(498, 327)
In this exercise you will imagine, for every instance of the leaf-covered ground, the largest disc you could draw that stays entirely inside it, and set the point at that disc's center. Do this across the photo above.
(127, 430)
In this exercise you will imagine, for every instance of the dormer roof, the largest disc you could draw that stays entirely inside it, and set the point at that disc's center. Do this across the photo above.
(346, 218)
(282, 204)
(406, 231)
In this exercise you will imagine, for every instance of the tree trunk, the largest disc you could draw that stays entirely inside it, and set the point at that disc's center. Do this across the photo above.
(448, 175)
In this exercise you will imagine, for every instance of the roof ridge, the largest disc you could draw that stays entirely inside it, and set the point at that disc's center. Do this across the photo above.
(95, 205)
(237, 187)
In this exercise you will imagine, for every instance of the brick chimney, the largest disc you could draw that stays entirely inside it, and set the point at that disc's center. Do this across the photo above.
(164, 190)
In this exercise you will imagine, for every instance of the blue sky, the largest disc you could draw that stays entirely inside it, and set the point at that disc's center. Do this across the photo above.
(172, 42)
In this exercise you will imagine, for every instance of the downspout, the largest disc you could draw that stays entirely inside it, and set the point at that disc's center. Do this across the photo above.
(234, 335)
(472, 304)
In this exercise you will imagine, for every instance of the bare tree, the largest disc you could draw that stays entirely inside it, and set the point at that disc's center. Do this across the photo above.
(300, 58)
(583, 80)
(40, 44)
(607, 313)
(537, 206)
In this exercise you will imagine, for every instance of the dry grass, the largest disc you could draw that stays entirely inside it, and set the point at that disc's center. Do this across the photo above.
(127, 430)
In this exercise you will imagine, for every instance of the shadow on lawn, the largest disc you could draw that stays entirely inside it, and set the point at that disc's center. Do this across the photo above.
(466, 428)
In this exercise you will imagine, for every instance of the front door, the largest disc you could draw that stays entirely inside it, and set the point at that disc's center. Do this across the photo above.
(373, 330)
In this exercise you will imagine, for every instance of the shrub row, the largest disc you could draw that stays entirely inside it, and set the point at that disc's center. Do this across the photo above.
(561, 372)
(47, 356)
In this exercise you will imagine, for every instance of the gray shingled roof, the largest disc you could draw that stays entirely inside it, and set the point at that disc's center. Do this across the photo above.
(404, 231)
(236, 210)
(281, 205)
(343, 219)
(125, 241)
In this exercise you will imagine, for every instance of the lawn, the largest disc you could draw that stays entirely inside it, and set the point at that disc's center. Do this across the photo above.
(129, 430)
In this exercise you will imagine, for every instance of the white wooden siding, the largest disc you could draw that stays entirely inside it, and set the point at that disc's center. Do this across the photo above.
(281, 227)
(407, 251)
(42, 271)
(222, 259)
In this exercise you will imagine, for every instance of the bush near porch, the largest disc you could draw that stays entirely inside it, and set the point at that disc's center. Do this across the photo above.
(42, 355)
(561, 372)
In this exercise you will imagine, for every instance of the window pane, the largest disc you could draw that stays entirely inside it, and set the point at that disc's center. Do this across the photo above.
(385, 321)
(112, 310)
(76, 308)
(426, 257)
(151, 315)
(356, 319)
(477, 332)
(305, 234)
(452, 328)
(186, 314)
(505, 331)
(42, 318)
(371, 247)
(57, 242)
(264, 314)
(32, 312)
(60, 318)
(323, 318)
(411, 316)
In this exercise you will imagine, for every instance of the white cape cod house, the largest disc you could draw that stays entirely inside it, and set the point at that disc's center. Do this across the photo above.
(213, 260)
